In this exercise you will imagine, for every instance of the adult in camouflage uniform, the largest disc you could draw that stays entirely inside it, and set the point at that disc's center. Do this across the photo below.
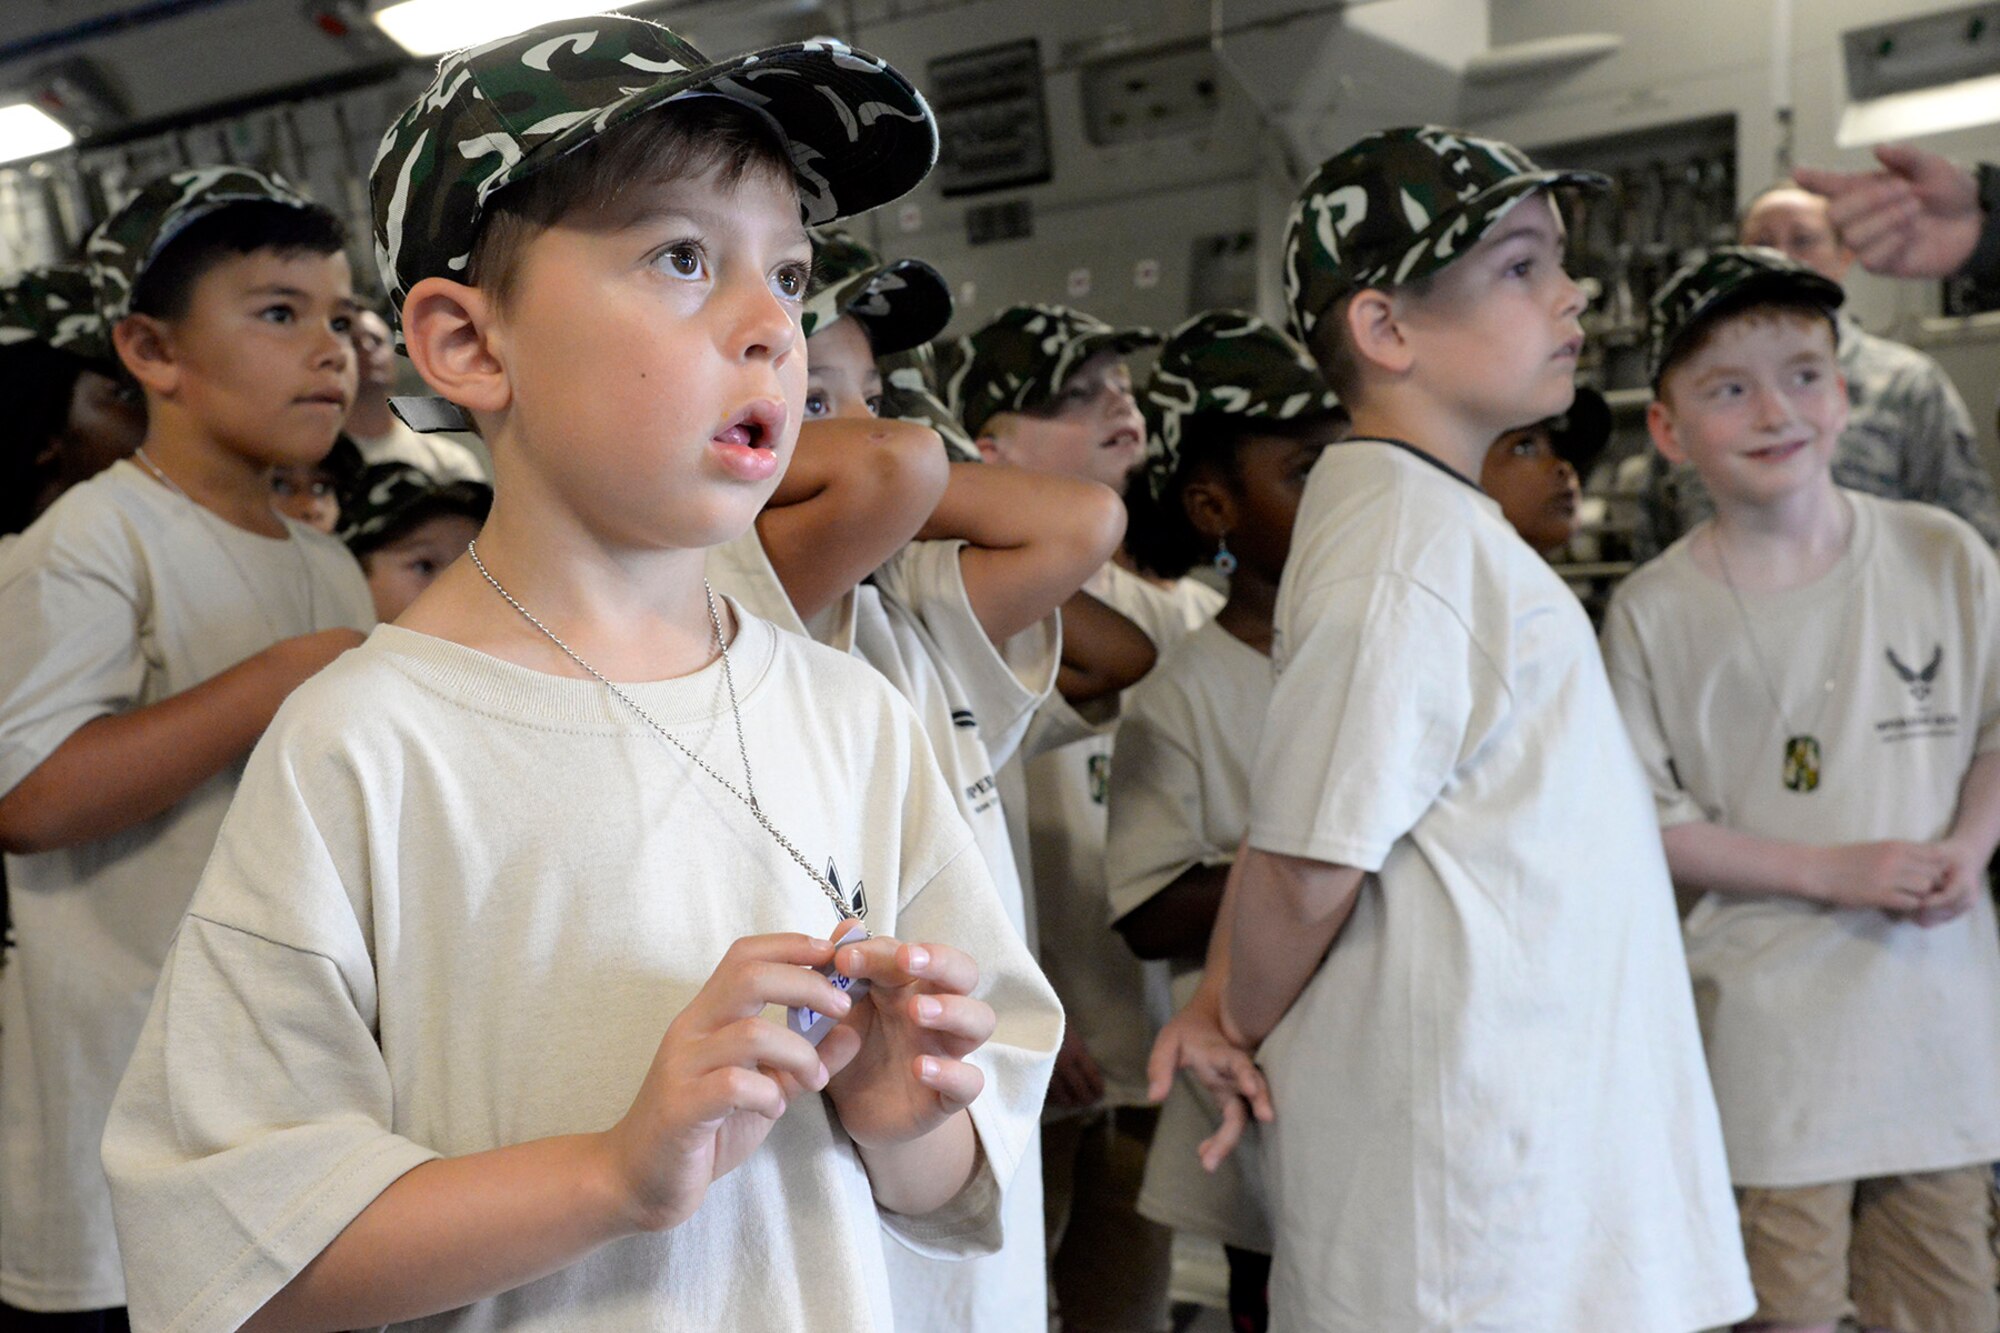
(70, 411)
(1909, 435)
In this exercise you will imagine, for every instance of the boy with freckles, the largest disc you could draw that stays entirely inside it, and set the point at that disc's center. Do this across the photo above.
(467, 1024)
(1812, 682)
(1450, 935)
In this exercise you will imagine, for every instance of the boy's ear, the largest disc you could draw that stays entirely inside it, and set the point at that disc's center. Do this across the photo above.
(1209, 507)
(1375, 329)
(1666, 438)
(992, 442)
(448, 329)
(145, 346)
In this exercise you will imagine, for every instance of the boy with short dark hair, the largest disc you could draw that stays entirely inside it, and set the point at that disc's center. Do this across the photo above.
(1811, 681)
(156, 616)
(1451, 933)
(407, 1057)
(405, 528)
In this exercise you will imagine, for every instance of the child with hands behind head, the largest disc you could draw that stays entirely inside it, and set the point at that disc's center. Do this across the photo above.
(1450, 937)
(1811, 681)
(572, 801)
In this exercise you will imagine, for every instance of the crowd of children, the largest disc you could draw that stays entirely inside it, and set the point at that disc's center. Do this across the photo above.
(1160, 779)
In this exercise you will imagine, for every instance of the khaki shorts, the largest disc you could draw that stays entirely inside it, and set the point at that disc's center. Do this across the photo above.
(1901, 1252)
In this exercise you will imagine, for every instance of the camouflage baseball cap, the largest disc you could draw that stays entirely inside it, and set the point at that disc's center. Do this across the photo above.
(910, 393)
(55, 306)
(1020, 361)
(1398, 206)
(390, 499)
(859, 134)
(1728, 278)
(901, 303)
(1225, 364)
(125, 245)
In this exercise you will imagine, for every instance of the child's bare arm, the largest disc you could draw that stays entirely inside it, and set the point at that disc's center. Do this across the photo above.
(1102, 651)
(1177, 921)
(856, 491)
(1891, 876)
(117, 771)
(454, 1231)
(1031, 539)
(1285, 913)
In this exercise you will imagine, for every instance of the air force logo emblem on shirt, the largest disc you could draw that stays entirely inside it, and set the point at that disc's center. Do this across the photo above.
(1930, 712)
(1920, 682)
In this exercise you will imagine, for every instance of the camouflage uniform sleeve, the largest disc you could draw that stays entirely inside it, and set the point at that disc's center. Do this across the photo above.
(1982, 270)
(1941, 462)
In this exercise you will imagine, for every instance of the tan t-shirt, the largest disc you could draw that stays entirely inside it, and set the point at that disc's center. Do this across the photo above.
(455, 906)
(121, 595)
(1180, 798)
(1492, 1108)
(1844, 1044)
(1115, 1002)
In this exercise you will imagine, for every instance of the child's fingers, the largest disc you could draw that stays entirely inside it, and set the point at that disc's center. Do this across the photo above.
(1255, 1091)
(1163, 1064)
(960, 1019)
(890, 962)
(1215, 1149)
(721, 1092)
(759, 1042)
(955, 1082)
(745, 989)
(838, 1048)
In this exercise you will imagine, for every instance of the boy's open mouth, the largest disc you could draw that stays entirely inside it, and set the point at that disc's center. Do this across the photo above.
(755, 427)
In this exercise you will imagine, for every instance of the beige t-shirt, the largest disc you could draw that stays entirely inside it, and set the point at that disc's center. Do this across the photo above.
(915, 625)
(121, 595)
(455, 906)
(1180, 797)
(1115, 1002)
(1492, 1108)
(1843, 1044)
(442, 456)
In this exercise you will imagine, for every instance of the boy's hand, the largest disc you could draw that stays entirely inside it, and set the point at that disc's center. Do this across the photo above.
(1963, 882)
(722, 1076)
(1195, 1040)
(1886, 876)
(1917, 217)
(899, 1057)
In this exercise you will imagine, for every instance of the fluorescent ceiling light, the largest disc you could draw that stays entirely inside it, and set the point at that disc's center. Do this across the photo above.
(1950, 106)
(28, 131)
(431, 27)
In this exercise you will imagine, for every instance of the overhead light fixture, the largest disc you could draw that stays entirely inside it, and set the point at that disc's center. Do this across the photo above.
(29, 131)
(1925, 111)
(432, 27)
(1921, 76)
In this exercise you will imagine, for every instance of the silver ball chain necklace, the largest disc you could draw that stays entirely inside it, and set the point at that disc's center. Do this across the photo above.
(747, 794)
(305, 570)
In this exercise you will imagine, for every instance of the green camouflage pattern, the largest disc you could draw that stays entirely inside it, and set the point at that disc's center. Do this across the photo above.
(1398, 206)
(901, 302)
(859, 134)
(1020, 361)
(1727, 276)
(1225, 364)
(389, 499)
(56, 306)
(909, 393)
(126, 243)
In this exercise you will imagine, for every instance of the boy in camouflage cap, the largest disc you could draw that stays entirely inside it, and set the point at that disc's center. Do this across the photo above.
(1452, 856)
(1810, 681)
(451, 999)
(72, 412)
(157, 616)
(406, 527)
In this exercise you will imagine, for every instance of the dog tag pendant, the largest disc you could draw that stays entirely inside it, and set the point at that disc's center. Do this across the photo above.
(1802, 763)
(811, 1023)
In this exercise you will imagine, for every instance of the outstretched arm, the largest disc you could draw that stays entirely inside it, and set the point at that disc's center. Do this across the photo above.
(1102, 652)
(1918, 216)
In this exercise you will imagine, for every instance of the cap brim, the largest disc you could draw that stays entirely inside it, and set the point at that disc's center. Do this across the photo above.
(1122, 341)
(903, 304)
(1500, 198)
(860, 134)
(1796, 284)
(1586, 430)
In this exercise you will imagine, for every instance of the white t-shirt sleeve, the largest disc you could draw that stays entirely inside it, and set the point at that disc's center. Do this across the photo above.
(1632, 686)
(1155, 818)
(959, 906)
(72, 604)
(1371, 715)
(244, 1137)
(1003, 685)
